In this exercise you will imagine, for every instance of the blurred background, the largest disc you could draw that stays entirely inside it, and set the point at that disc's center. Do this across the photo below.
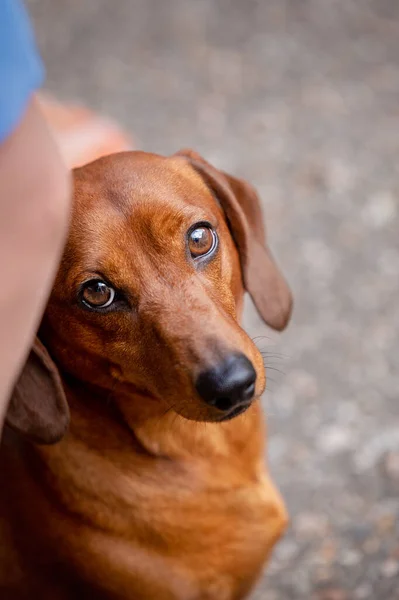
(301, 98)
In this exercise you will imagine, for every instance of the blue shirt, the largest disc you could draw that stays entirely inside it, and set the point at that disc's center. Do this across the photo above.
(21, 69)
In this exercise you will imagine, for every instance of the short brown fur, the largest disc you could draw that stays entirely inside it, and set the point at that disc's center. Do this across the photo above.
(146, 497)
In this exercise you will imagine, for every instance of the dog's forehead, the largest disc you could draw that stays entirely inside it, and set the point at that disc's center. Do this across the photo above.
(124, 182)
(132, 200)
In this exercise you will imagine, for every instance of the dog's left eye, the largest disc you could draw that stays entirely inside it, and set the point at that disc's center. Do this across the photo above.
(97, 294)
(201, 240)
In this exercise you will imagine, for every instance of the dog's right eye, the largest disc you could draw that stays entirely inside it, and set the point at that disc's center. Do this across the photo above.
(97, 294)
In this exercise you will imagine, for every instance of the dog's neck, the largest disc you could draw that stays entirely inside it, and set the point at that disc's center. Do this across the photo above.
(104, 462)
(143, 426)
(94, 485)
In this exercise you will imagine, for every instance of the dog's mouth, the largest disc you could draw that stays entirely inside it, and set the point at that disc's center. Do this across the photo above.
(235, 412)
(216, 416)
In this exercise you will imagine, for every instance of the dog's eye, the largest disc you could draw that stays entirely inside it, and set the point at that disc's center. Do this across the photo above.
(97, 294)
(201, 241)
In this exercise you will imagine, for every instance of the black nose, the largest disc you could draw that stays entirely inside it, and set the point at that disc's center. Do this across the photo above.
(228, 385)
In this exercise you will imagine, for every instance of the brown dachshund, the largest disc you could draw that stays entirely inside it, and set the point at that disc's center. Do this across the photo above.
(158, 490)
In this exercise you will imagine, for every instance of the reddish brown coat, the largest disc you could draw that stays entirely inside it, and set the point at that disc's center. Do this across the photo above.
(146, 496)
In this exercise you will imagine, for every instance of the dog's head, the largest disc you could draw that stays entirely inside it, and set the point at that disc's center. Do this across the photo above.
(146, 302)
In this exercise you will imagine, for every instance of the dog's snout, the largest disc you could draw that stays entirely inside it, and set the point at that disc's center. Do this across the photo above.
(228, 386)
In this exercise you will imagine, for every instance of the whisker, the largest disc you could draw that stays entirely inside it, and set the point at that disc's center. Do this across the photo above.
(272, 363)
(260, 337)
(269, 368)
(273, 354)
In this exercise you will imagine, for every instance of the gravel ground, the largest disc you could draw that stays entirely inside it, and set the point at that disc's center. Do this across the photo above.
(301, 98)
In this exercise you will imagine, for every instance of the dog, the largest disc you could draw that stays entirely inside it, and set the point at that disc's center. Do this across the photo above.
(132, 465)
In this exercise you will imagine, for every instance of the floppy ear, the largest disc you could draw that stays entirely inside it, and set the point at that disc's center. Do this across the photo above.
(38, 408)
(262, 278)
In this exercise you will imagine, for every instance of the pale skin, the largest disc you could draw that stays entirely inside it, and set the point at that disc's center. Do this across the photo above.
(35, 190)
